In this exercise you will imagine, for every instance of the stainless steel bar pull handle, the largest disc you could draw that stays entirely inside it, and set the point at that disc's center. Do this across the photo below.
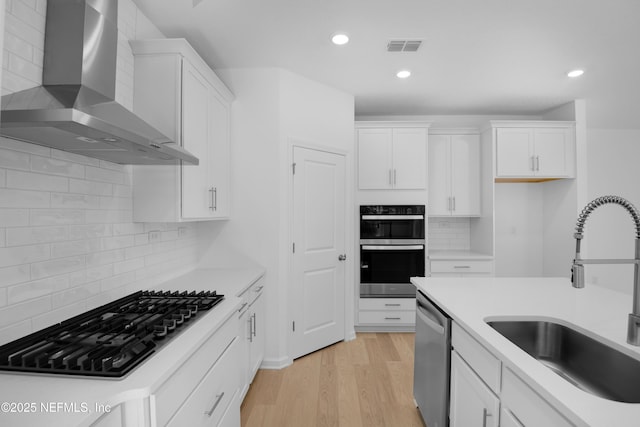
(485, 414)
(391, 318)
(454, 203)
(254, 324)
(537, 163)
(250, 329)
(215, 198)
(395, 177)
(215, 404)
(211, 198)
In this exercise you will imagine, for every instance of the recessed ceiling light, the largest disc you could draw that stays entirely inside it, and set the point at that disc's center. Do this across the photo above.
(575, 73)
(403, 74)
(340, 39)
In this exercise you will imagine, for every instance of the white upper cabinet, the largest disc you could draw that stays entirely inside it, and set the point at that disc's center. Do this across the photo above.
(454, 175)
(176, 92)
(392, 158)
(536, 150)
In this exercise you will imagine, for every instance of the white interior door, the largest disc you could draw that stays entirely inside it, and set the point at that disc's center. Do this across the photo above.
(319, 240)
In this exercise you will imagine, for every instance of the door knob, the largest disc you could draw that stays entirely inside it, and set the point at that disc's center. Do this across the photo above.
(342, 257)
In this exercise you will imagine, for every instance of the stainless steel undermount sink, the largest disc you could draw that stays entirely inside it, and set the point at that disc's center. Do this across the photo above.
(583, 361)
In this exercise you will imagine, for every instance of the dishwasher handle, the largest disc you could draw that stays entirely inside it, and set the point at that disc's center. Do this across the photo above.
(430, 315)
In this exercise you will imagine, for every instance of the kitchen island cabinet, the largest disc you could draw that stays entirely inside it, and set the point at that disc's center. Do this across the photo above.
(530, 393)
(177, 92)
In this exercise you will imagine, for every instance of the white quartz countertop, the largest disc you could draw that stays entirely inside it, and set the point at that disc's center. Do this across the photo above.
(95, 394)
(458, 255)
(595, 311)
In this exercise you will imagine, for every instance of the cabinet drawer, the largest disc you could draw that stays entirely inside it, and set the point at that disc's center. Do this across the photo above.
(461, 266)
(485, 364)
(170, 396)
(387, 317)
(209, 401)
(387, 304)
(527, 406)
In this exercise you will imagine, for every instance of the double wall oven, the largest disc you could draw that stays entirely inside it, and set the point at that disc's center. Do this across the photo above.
(392, 249)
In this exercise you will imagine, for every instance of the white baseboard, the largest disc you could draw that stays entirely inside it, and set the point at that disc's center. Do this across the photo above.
(280, 363)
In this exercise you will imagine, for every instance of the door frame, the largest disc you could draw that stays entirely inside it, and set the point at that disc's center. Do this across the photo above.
(349, 277)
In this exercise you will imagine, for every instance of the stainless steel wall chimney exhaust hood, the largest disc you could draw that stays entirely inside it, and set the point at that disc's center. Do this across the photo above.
(75, 109)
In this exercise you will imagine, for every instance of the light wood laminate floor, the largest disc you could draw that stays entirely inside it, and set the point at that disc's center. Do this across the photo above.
(364, 382)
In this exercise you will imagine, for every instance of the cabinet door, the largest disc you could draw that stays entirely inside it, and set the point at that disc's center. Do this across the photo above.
(374, 159)
(257, 312)
(219, 155)
(409, 158)
(197, 195)
(465, 175)
(551, 152)
(439, 175)
(514, 152)
(472, 403)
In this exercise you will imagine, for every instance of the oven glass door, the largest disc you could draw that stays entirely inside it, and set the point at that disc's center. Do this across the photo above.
(392, 227)
(385, 270)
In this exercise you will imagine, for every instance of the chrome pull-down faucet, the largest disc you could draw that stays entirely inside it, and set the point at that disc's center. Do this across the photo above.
(577, 269)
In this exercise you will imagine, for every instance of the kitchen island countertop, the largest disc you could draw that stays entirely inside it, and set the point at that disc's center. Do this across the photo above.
(54, 400)
(596, 311)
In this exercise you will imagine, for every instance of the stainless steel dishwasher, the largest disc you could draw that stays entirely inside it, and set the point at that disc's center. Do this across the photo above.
(432, 363)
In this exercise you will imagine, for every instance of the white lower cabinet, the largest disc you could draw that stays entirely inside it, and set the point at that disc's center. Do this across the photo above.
(526, 405)
(382, 314)
(486, 393)
(201, 390)
(252, 333)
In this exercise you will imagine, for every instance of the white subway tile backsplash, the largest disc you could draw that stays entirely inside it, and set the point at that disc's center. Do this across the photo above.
(118, 281)
(12, 144)
(116, 242)
(36, 181)
(22, 10)
(10, 198)
(73, 295)
(73, 201)
(23, 254)
(13, 160)
(138, 251)
(90, 231)
(130, 265)
(127, 228)
(108, 216)
(18, 46)
(90, 187)
(15, 331)
(17, 312)
(3, 178)
(24, 68)
(118, 203)
(57, 167)
(105, 257)
(74, 247)
(14, 217)
(36, 288)
(72, 157)
(33, 36)
(57, 266)
(31, 235)
(14, 274)
(58, 315)
(91, 274)
(105, 175)
(56, 216)
(449, 234)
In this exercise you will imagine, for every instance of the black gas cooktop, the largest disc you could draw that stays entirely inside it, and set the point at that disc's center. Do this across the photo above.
(111, 340)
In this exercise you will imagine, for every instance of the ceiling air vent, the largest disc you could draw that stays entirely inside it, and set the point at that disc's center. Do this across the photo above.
(403, 45)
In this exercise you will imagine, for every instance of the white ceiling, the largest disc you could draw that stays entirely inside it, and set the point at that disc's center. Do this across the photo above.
(478, 57)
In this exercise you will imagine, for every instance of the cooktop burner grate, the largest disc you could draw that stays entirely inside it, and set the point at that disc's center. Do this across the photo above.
(111, 340)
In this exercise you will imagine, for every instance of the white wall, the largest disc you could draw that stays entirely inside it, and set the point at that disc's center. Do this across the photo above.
(67, 239)
(272, 108)
(518, 229)
(612, 168)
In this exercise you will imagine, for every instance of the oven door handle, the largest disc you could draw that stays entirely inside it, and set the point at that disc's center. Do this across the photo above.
(392, 248)
(390, 217)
